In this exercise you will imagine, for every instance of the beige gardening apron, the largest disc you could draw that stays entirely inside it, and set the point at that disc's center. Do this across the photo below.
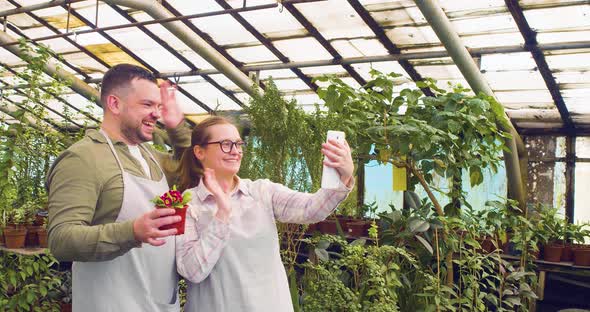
(143, 279)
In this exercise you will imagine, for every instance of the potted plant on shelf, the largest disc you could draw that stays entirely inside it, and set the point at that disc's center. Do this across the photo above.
(550, 232)
(581, 252)
(15, 231)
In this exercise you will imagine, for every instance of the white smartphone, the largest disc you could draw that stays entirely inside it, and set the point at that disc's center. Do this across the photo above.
(330, 176)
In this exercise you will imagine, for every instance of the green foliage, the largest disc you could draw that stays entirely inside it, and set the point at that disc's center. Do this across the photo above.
(26, 151)
(359, 278)
(29, 283)
(549, 225)
(436, 135)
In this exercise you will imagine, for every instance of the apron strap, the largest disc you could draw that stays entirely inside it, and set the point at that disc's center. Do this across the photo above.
(119, 161)
(153, 158)
(112, 149)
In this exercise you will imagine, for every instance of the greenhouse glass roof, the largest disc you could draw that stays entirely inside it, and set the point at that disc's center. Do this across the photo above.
(534, 54)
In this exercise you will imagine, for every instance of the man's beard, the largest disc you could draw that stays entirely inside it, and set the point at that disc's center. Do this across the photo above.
(134, 134)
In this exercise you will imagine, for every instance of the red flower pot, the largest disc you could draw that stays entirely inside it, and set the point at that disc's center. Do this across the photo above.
(582, 256)
(327, 226)
(15, 238)
(179, 226)
(359, 228)
(568, 253)
(42, 234)
(552, 253)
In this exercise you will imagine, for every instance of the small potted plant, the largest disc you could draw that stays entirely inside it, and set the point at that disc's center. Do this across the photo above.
(174, 199)
(15, 232)
(581, 252)
(551, 233)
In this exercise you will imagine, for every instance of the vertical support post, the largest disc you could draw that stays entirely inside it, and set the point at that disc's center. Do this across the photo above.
(360, 183)
(570, 176)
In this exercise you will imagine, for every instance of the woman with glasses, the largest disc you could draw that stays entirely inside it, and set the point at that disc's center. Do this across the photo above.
(229, 253)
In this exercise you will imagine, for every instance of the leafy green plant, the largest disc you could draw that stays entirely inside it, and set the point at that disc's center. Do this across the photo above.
(29, 283)
(26, 151)
(360, 277)
(441, 134)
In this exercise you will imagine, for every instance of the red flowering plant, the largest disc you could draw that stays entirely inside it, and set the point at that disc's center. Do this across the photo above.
(174, 199)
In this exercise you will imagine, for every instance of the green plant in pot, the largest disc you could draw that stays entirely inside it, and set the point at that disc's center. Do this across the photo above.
(550, 231)
(15, 231)
(577, 235)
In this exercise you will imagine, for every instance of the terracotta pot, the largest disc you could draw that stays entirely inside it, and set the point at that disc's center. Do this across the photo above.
(66, 307)
(311, 228)
(32, 239)
(552, 253)
(179, 226)
(328, 226)
(568, 254)
(42, 234)
(15, 238)
(582, 256)
(358, 228)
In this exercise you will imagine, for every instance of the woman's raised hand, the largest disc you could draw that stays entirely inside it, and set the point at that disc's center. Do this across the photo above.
(221, 198)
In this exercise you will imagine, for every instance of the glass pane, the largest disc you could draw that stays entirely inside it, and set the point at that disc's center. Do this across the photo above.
(335, 20)
(559, 187)
(195, 7)
(224, 29)
(439, 72)
(211, 96)
(359, 48)
(553, 18)
(271, 22)
(515, 80)
(257, 54)
(583, 147)
(85, 63)
(412, 35)
(379, 186)
(582, 193)
(304, 49)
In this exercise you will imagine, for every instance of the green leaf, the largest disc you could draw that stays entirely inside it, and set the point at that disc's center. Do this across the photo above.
(424, 243)
(418, 226)
(323, 244)
(475, 177)
(358, 242)
(322, 254)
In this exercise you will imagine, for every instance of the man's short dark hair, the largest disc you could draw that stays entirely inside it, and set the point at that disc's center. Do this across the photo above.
(121, 75)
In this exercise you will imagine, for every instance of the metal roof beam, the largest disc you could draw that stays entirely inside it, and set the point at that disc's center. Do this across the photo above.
(39, 6)
(66, 38)
(136, 57)
(53, 69)
(530, 38)
(268, 44)
(42, 87)
(390, 46)
(190, 38)
(378, 58)
(178, 55)
(325, 43)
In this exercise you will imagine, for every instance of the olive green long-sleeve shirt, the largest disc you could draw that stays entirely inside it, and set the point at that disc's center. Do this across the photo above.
(85, 188)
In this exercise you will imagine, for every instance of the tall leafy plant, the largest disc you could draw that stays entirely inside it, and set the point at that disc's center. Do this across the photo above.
(26, 151)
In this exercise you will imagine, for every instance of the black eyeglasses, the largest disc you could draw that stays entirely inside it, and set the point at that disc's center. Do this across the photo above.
(227, 145)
